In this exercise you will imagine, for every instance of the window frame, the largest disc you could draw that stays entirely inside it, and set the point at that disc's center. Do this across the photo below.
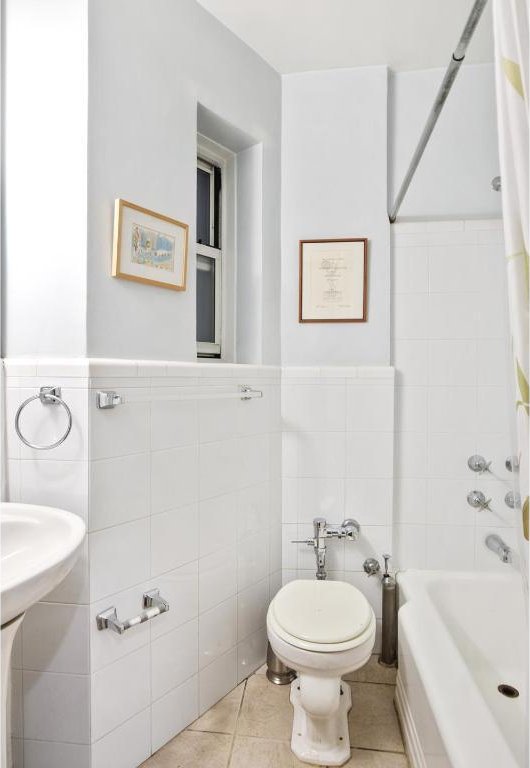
(208, 167)
(206, 348)
(209, 155)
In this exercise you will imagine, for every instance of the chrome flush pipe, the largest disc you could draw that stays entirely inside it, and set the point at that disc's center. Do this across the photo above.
(441, 97)
(319, 531)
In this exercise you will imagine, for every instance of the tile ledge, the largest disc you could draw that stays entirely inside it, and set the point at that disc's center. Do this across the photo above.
(95, 367)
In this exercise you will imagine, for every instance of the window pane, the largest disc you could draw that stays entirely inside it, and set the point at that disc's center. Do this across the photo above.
(203, 207)
(205, 299)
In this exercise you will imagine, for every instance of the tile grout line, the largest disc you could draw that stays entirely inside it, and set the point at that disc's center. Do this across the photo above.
(232, 742)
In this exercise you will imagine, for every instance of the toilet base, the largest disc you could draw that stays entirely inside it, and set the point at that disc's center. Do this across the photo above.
(321, 741)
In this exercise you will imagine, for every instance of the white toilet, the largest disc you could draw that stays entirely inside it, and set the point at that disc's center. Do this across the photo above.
(323, 630)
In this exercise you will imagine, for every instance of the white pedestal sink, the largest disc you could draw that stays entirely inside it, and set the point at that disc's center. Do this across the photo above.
(39, 546)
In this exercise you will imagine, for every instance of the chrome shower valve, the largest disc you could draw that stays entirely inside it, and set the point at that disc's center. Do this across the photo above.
(477, 500)
(478, 464)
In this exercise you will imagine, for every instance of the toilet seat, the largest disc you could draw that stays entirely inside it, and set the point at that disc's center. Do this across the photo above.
(322, 616)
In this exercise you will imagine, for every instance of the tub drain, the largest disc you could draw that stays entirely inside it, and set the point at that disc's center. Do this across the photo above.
(508, 690)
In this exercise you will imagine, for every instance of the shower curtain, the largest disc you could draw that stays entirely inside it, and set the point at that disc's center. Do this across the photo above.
(510, 22)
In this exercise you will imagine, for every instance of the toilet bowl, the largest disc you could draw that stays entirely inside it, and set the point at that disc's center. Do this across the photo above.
(322, 630)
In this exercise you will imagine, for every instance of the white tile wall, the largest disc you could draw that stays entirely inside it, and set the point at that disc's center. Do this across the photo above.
(174, 711)
(129, 744)
(450, 355)
(338, 462)
(179, 494)
(56, 707)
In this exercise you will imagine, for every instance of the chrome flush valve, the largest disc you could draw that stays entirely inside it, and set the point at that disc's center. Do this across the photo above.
(349, 529)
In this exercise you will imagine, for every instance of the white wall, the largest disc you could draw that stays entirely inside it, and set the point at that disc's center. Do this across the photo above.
(450, 352)
(143, 67)
(151, 63)
(44, 262)
(334, 184)
(249, 311)
(455, 173)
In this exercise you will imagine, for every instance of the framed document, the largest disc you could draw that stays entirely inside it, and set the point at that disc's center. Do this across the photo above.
(333, 278)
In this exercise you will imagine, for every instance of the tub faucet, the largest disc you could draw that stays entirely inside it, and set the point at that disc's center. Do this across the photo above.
(497, 545)
(349, 529)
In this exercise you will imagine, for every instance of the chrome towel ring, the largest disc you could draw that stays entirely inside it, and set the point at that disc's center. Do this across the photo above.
(47, 396)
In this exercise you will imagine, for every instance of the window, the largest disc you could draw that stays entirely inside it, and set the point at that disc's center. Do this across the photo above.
(209, 259)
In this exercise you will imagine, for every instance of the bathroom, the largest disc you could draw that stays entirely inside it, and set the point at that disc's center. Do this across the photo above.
(281, 349)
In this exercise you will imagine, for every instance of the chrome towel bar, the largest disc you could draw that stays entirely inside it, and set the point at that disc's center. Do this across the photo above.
(153, 605)
(110, 399)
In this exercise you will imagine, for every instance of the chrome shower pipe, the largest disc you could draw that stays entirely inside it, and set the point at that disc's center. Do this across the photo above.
(441, 97)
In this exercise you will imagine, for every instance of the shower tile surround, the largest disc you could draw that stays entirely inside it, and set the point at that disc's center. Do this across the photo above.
(450, 351)
(202, 498)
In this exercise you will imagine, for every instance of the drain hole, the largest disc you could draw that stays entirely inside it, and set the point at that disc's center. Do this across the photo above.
(508, 690)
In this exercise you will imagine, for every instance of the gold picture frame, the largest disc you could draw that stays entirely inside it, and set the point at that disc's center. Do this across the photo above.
(146, 251)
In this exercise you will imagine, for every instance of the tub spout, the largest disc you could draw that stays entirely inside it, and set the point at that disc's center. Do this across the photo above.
(497, 545)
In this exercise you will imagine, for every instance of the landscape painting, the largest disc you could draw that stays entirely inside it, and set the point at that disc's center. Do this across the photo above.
(149, 247)
(152, 248)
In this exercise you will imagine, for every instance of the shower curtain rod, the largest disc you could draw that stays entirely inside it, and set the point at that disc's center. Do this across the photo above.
(443, 92)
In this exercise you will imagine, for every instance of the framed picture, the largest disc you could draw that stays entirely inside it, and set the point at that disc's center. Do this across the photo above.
(149, 247)
(333, 281)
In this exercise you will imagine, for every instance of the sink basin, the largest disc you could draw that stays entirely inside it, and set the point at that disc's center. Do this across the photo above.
(39, 546)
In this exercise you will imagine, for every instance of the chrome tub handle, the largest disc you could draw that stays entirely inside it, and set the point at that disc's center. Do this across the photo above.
(153, 606)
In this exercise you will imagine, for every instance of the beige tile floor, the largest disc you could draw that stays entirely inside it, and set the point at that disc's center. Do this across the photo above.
(251, 727)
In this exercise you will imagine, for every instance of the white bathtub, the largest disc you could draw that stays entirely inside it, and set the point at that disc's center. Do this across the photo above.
(460, 636)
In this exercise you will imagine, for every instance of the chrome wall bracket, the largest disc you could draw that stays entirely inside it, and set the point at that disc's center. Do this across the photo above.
(153, 606)
(50, 395)
(108, 399)
(247, 393)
